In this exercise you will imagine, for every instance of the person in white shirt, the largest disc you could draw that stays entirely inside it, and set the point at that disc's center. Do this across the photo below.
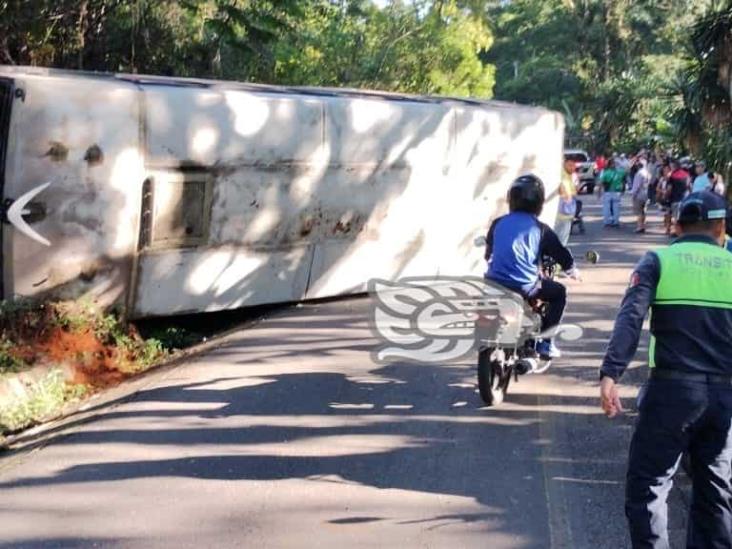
(639, 194)
(716, 184)
(623, 163)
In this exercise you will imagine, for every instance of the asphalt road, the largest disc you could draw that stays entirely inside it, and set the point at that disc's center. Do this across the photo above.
(286, 434)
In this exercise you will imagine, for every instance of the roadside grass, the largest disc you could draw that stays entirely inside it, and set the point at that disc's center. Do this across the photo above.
(9, 363)
(43, 399)
(55, 353)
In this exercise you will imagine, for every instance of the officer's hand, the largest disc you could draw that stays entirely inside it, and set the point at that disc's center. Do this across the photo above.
(609, 399)
(574, 274)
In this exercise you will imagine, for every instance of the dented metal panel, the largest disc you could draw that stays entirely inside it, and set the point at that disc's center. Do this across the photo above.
(360, 187)
(82, 136)
(178, 198)
(429, 227)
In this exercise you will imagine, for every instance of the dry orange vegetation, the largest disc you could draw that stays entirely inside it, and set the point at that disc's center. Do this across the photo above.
(99, 350)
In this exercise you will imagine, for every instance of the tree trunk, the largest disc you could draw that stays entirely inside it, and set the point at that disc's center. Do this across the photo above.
(81, 33)
(607, 49)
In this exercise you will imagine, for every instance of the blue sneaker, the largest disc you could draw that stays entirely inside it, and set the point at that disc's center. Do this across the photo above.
(547, 349)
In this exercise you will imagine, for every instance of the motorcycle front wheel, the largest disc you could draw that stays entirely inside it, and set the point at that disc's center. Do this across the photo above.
(493, 378)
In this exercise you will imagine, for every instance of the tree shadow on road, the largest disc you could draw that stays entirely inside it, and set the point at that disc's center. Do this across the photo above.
(413, 427)
(293, 403)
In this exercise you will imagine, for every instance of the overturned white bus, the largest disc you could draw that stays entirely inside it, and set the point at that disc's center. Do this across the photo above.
(168, 195)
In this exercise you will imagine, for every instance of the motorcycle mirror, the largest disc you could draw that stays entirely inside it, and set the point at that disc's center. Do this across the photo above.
(479, 241)
(592, 256)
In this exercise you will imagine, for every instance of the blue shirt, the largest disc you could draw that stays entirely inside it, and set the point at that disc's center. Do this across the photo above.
(514, 246)
(701, 183)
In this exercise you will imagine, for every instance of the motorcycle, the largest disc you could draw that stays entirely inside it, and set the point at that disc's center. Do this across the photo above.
(508, 331)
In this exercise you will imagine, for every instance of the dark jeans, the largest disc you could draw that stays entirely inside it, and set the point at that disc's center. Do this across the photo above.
(677, 416)
(578, 211)
(554, 295)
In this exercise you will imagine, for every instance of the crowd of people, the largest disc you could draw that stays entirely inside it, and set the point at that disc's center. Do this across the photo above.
(654, 180)
(685, 406)
(650, 179)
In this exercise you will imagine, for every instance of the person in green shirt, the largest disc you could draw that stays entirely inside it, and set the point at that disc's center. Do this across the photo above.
(612, 184)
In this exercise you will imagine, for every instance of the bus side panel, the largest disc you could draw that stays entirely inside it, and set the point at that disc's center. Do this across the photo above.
(213, 279)
(81, 136)
(446, 194)
(262, 198)
(403, 151)
(253, 156)
(226, 128)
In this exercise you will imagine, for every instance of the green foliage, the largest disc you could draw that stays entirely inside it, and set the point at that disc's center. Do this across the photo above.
(43, 399)
(194, 37)
(416, 48)
(605, 64)
(419, 46)
(175, 337)
(27, 323)
(74, 315)
(135, 353)
(624, 72)
(107, 347)
(701, 96)
(717, 150)
(9, 362)
(148, 352)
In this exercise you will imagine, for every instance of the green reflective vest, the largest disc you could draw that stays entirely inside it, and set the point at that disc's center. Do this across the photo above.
(693, 274)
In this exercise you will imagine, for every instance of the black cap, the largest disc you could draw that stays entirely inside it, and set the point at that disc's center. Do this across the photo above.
(702, 206)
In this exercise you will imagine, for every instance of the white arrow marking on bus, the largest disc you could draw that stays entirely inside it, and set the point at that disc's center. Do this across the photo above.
(17, 210)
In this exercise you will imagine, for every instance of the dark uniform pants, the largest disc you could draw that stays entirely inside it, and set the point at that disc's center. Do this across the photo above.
(678, 416)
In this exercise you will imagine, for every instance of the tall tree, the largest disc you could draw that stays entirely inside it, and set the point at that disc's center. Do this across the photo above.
(704, 97)
(419, 47)
(596, 60)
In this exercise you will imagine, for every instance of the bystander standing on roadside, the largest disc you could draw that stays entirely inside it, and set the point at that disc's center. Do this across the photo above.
(639, 194)
(612, 182)
(567, 202)
(677, 188)
(701, 179)
(716, 184)
(600, 163)
(662, 196)
(654, 168)
(623, 163)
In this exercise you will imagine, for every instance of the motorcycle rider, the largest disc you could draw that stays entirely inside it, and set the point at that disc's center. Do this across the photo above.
(515, 245)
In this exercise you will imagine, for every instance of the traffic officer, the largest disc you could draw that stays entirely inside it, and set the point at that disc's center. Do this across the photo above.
(686, 405)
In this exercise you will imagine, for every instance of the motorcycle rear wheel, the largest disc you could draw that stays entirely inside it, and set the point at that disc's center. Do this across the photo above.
(493, 379)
